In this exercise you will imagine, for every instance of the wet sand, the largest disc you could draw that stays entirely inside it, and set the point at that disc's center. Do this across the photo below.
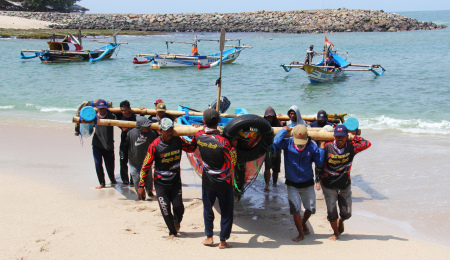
(50, 210)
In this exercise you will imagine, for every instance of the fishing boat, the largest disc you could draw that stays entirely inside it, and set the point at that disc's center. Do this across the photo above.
(70, 49)
(331, 66)
(171, 60)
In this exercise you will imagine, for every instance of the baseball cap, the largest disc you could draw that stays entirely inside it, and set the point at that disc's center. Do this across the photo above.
(102, 104)
(340, 130)
(160, 107)
(165, 124)
(211, 116)
(300, 134)
(158, 101)
(142, 121)
(322, 115)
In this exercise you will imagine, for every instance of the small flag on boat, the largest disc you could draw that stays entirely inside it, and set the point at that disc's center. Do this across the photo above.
(328, 43)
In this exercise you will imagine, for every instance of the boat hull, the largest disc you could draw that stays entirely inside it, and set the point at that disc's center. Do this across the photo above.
(58, 56)
(318, 75)
(176, 61)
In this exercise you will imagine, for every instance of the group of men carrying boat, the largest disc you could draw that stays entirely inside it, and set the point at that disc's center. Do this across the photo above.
(143, 147)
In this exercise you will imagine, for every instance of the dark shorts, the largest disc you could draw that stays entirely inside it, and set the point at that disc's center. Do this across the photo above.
(273, 160)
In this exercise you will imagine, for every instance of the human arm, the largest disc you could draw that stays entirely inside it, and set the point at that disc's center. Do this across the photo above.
(359, 144)
(188, 147)
(318, 155)
(279, 140)
(146, 166)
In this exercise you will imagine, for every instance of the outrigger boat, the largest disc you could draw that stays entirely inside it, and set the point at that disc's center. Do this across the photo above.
(170, 60)
(321, 72)
(70, 49)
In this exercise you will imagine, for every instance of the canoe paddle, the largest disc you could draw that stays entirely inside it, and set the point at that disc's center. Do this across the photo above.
(219, 81)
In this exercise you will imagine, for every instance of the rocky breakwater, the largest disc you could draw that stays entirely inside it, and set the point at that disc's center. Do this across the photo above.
(308, 21)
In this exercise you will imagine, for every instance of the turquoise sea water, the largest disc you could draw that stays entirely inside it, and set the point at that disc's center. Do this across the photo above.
(410, 97)
(405, 111)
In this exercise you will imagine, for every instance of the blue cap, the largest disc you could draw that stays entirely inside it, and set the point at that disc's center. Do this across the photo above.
(102, 104)
(351, 123)
(340, 130)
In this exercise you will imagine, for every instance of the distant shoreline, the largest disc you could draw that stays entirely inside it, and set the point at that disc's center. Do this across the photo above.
(301, 21)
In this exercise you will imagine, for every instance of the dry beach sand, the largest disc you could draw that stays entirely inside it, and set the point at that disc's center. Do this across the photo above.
(9, 22)
(50, 210)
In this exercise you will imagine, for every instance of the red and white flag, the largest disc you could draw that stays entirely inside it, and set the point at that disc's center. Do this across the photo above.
(328, 43)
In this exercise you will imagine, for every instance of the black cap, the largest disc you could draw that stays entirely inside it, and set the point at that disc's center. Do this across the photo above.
(322, 115)
(211, 116)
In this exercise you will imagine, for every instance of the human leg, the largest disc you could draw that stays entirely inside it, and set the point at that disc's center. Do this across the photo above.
(331, 197)
(308, 198)
(226, 204)
(108, 156)
(163, 195)
(99, 166)
(267, 178)
(135, 175)
(208, 198)
(345, 207)
(123, 153)
(276, 168)
(295, 205)
(178, 206)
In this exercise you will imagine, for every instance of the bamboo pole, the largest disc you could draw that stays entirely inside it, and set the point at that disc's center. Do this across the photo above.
(364, 65)
(116, 110)
(355, 69)
(187, 130)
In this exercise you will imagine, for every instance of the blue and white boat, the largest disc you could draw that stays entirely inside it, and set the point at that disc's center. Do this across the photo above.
(171, 60)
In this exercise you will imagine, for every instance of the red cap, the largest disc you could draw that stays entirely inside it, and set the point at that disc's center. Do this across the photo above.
(158, 101)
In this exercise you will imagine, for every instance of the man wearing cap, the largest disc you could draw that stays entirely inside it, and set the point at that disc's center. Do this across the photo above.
(310, 53)
(125, 109)
(299, 154)
(103, 145)
(322, 119)
(218, 159)
(160, 112)
(166, 152)
(336, 176)
(138, 140)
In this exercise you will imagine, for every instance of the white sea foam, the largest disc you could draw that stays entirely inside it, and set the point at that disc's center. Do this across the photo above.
(55, 109)
(416, 126)
(7, 107)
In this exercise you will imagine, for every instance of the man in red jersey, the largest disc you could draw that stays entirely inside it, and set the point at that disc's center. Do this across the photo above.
(166, 151)
(336, 176)
(218, 159)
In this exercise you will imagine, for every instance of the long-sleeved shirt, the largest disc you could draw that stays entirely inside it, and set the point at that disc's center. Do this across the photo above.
(298, 164)
(218, 159)
(338, 162)
(167, 157)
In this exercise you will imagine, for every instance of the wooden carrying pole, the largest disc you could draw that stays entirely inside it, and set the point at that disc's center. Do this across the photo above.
(116, 110)
(187, 130)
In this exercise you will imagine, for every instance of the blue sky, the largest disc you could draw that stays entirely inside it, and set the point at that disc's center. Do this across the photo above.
(232, 6)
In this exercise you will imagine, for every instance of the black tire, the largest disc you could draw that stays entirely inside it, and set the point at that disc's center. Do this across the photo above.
(241, 122)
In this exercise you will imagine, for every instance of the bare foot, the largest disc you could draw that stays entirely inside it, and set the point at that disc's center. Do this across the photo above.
(171, 237)
(100, 187)
(341, 226)
(334, 237)
(299, 238)
(208, 241)
(113, 182)
(266, 189)
(305, 229)
(224, 244)
(317, 186)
